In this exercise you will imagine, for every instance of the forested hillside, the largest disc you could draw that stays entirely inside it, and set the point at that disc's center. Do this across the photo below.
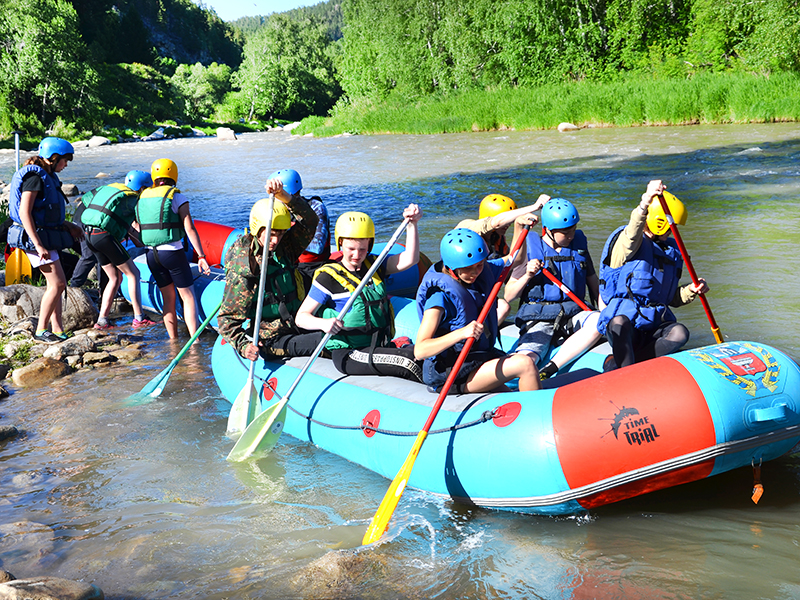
(117, 67)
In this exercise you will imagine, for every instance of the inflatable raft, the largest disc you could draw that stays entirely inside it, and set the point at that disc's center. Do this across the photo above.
(588, 440)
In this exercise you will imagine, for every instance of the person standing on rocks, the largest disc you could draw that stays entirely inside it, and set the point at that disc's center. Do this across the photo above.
(38, 208)
(106, 220)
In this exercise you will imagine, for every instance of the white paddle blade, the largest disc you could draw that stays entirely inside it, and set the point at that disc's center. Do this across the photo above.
(261, 435)
(243, 409)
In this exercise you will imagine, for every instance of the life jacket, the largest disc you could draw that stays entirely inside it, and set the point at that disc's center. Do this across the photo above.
(158, 223)
(283, 292)
(370, 321)
(110, 208)
(320, 246)
(643, 287)
(497, 245)
(49, 212)
(468, 302)
(542, 300)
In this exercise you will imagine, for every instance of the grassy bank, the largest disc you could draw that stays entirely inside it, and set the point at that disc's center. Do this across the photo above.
(706, 98)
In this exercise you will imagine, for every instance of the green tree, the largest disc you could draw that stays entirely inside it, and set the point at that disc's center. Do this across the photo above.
(287, 70)
(202, 87)
(42, 67)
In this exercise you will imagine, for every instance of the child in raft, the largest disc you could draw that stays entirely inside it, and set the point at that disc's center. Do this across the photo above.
(640, 270)
(449, 300)
(369, 324)
(546, 313)
(495, 214)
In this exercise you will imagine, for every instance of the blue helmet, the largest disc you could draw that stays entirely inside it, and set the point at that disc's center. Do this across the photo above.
(136, 180)
(290, 178)
(53, 145)
(559, 214)
(462, 248)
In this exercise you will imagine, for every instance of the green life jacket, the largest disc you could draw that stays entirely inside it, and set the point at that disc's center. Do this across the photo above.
(370, 321)
(110, 208)
(284, 292)
(157, 222)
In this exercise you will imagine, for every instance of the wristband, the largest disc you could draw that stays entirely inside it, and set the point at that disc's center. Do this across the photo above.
(201, 257)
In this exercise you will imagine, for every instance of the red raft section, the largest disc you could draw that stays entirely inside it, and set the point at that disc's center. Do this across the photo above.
(629, 419)
(213, 236)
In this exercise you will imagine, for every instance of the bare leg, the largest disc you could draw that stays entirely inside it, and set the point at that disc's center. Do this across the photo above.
(110, 291)
(492, 374)
(170, 314)
(189, 308)
(50, 310)
(132, 273)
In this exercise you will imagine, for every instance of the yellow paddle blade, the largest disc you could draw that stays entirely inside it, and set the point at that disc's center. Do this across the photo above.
(243, 410)
(380, 522)
(18, 268)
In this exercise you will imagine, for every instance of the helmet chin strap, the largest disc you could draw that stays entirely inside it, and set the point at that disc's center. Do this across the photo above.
(552, 238)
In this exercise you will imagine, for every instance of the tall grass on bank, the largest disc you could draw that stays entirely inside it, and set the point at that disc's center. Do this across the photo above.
(705, 98)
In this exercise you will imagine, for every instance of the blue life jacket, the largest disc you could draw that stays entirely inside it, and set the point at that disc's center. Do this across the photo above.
(643, 287)
(468, 302)
(49, 212)
(542, 300)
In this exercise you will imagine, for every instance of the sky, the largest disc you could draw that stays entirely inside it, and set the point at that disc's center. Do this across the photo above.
(230, 10)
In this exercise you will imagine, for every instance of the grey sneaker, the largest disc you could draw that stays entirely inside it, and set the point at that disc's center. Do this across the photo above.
(48, 337)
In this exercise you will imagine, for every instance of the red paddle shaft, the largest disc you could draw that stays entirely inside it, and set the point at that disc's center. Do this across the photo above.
(566, 290)
(674, 228)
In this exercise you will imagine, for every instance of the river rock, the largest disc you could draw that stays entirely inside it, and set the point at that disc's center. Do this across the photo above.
(198, 133)
(41, 371)
(8, 431)
(562, 127)
(102, 175)
(75, 346)
(4, 369)
(129, 354)
(226, 133)
(4, 392)
(21, 300)
(70, 189)
(98, 140)
(97, 358)
(291, 126)
(49, 588)
(6, 576)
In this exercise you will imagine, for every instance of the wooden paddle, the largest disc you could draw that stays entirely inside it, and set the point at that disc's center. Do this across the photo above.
(566, 290)
(263, 433)
(380, 521)
(18, 267)
(246, 405)
(676, 234)
(156, 385)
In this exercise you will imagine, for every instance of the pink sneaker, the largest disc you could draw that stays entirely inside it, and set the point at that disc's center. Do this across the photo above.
(106, 326)
(143, 323)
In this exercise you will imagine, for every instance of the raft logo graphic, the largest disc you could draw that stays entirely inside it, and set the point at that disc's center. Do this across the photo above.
(635, 428)
(742, 365)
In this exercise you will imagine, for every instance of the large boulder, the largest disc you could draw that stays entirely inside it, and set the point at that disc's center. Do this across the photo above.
(20, 301)
(226, 133)
(39, 372)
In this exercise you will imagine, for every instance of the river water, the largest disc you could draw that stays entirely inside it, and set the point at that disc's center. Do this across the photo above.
(140, 500)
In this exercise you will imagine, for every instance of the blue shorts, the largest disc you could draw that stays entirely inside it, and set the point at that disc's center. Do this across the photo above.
(435, 373)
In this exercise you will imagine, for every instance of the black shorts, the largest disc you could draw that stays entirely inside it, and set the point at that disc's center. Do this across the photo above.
(106, 249)
(301, 343)
(170, 266)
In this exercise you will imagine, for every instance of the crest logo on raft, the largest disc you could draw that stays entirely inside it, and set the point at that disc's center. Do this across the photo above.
(742, 365)
(635, 428)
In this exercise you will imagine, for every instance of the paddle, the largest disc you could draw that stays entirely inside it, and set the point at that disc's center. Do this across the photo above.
(263, 433)
(18, 267)
(566, 290)
(674, 228)
(244, 407)
(380, 521)
(156, 385)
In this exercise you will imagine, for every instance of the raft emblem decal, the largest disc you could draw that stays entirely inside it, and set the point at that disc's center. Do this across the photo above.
(742, 365)
(635, 428)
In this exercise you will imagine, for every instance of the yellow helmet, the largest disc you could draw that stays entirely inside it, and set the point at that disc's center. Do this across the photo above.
(657, 219)
(494, 204)
(356, 225)
(164, 167)
(259, 215)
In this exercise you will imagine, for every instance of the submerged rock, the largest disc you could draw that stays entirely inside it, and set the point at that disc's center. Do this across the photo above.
(8, 431)
(49, 588)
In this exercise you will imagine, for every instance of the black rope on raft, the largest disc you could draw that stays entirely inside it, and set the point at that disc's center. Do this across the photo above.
(487, 415)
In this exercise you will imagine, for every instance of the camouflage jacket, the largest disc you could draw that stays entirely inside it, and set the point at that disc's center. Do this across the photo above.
(242, 272)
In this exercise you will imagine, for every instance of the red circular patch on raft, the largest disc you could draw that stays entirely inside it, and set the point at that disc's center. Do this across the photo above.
(506, 414)
(266, 389)
(373, 419)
